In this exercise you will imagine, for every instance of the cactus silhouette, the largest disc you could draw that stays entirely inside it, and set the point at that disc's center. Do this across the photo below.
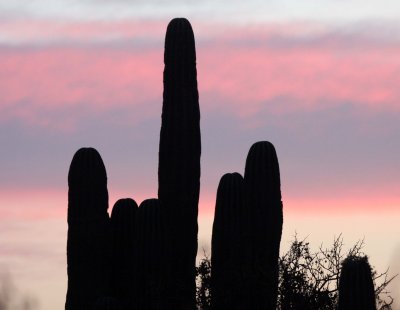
(88, 250)
(225, 245)
(107, 303)
(123, 220)
(356, 286)
(179, 160)
(263, 225)
(150, 256)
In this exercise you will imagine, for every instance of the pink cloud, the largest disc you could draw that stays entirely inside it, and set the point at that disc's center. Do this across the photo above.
(45, 32)
(242, 74)
(311, 77)
(36, 82)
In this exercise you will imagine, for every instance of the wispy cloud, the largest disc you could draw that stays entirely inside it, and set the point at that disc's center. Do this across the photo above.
(234, 10)
(282, 68)
(38, 82)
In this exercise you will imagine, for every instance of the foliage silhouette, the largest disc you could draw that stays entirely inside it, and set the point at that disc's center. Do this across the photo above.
(311, 279)
(203, 280)
(307, 280)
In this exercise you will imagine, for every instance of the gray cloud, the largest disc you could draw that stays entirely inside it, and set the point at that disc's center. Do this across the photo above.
(248, 11)
(342, 148)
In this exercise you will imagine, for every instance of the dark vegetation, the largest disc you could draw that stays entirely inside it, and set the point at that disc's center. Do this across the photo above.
(310, 280)
(145, 257)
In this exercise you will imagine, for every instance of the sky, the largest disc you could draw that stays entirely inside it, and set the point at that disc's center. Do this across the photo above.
(319, 79)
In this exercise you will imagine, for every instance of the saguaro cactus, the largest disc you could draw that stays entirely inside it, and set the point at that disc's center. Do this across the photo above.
(356, 286)
(264, 220)
(150, 256)
(108, 303)
(179, 160)
(88, 230)
(123, 219)
(225, 246)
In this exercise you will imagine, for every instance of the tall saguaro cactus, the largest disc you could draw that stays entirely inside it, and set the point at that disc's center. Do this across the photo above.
(264, 220)
(356, 286)
(225, 246)
(150, 256)
(179, 159)
(88, 230)
(123, 220)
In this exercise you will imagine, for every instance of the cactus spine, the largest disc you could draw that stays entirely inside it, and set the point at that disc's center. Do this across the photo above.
(263, 224)
(123, 219)
(179, 160)
(88, 230)
(225, 257)
(150, 256)
(356, 286)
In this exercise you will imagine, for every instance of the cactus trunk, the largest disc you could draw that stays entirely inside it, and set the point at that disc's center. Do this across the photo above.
(88, 250)
(150, 256)
(179, 160)
(123, 218)
(225, 246)
(263, 225)
(356, 286)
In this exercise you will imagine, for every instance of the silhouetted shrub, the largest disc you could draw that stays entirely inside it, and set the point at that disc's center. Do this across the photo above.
(203, 279)
(307, 280)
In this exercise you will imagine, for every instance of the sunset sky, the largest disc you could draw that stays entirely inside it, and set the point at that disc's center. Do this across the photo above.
(319, 79)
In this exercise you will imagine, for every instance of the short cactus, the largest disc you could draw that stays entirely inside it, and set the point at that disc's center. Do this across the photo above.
(150, 256)
(123, 219)
(263, 224)
(356, 286)
(179, 160)
(88, 251)
(225, 246)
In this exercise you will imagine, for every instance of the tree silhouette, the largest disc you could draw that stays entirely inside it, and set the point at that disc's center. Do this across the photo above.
(307, 280)
(311, 279)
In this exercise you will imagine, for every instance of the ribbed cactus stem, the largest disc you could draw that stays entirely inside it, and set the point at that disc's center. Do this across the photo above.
(123, 220)
(225, 246)
(179, 159)
(264, 219)
(88, 251)
(150, 256)
(356, 286)
(108, 303)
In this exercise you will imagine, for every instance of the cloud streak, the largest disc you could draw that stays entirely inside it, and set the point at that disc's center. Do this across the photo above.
(241, 70)
(217, 10)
